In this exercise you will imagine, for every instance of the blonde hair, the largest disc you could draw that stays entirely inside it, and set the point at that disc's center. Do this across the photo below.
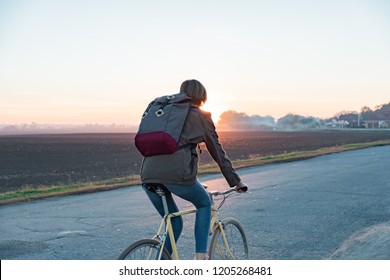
(195, 90)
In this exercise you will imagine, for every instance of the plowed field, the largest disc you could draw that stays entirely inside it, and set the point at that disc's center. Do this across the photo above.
(36, 160)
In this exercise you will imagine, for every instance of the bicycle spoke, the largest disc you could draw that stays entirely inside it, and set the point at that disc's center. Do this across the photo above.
(146, 249)
(230, 244)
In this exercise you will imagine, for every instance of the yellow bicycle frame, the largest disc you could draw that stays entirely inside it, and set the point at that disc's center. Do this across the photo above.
(166, 220)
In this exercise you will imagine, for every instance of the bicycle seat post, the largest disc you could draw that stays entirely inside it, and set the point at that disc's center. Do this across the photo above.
(161, 193)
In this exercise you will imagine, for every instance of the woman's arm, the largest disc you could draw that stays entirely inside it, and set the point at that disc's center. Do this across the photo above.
(216, 151)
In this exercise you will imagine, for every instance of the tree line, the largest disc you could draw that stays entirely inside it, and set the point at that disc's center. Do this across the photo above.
(233, 120)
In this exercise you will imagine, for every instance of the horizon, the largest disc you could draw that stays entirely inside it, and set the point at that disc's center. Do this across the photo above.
(92, 62)
(251, 123)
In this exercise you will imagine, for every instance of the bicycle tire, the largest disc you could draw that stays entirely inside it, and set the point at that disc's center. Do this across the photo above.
(144, 249)
(236, 239)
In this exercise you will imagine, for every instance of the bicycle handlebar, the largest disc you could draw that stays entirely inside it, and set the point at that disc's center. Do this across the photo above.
(216, 193)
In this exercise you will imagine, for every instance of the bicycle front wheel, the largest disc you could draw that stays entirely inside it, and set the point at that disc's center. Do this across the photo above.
(144, 249)
(234, 246)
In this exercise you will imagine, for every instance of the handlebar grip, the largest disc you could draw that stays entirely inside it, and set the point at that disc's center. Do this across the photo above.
(243, 189)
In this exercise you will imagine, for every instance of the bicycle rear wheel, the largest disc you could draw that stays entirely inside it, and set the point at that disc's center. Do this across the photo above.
(237, 244)
(144, 249)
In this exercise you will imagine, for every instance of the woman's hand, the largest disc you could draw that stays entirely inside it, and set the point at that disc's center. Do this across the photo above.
(241, 187)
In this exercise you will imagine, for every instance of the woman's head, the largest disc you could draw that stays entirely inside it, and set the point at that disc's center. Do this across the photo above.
(195, 90)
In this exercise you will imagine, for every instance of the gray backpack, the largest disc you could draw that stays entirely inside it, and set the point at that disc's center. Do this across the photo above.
(162, 124)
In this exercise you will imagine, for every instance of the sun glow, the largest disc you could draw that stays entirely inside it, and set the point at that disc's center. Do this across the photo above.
(216, 106)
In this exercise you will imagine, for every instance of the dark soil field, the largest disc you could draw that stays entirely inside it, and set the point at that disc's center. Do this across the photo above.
(41, 160)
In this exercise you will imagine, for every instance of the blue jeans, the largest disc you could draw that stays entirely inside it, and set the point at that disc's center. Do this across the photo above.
(199, 197)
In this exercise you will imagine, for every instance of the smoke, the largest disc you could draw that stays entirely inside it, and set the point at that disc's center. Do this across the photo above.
(297, 122)
(232, 120)
(237, 121)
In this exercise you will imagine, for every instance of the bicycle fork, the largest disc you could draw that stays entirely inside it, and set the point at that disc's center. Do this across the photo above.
(218, 225)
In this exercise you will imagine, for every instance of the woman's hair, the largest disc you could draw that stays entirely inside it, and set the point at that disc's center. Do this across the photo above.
(195, 90)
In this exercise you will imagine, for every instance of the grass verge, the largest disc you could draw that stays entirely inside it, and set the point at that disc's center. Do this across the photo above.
(30, 193)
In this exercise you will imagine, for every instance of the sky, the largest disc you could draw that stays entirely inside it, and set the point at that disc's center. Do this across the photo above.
(79, 62)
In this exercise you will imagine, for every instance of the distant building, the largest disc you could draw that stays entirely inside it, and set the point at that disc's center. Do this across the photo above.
(376, 124)
(334, 123)
(353, 120)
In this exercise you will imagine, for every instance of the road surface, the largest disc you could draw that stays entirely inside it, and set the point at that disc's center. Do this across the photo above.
(330, 207)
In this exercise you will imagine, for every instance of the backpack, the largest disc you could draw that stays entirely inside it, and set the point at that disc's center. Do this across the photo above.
(162, 124)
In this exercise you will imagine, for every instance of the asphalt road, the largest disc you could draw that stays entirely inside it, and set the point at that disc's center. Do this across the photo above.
(330, 207)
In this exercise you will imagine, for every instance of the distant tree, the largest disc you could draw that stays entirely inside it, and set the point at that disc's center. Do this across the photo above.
(365, 109)
(353, 119)
(232, 120)
(366, 113)
(381, 112)
(292, 121)
(345, 112)
(289, 121)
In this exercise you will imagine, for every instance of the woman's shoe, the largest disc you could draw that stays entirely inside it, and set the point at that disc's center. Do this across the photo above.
(201, 256)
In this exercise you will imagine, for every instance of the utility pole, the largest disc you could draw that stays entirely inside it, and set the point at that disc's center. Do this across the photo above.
(359, 120)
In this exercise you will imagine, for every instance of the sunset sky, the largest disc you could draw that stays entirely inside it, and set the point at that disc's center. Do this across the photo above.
(77, 62)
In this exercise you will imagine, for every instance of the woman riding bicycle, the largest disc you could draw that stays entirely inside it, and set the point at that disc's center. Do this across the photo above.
(178, 171)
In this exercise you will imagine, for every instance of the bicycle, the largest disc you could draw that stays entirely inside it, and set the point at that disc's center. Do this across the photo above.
(228, 238)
